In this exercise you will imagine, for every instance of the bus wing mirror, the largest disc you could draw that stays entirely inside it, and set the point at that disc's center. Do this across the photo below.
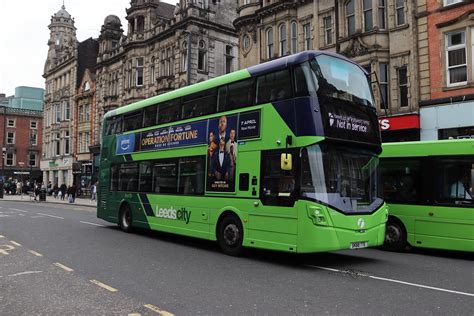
(286, 162)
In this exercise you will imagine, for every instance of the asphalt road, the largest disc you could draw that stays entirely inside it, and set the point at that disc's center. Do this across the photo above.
(61, 259)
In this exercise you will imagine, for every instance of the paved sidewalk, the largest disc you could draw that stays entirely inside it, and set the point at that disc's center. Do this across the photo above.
(50, 199)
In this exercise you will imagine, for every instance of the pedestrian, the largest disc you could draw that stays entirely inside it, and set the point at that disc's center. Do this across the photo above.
(94, 192)
(55, 190)
(37, 191)
(71, 191)
(63, 189)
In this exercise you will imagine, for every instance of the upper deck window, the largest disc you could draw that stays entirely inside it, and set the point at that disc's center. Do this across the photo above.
(340, 79)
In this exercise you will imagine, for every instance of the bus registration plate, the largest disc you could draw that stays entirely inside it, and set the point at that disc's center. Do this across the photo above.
(359, 244)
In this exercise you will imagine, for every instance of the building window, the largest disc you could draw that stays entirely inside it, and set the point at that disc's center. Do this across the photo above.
(350, 17)
(33, 138)
(282, 39)
(84, 142)
(33, 124)
(382, 16)
(400, 11)
(384, 84)
(229, 59)
(67, 111)
(169, 62)
(57, 113)
(184, 58)
(327, 21)
(456, 58)
(451, 2)
(10, 138)
(152, 74)
(202, 56)
(367, 13)
(294, 37)
(11, 122)
(140, 24)
(139, 72)
(269, 42)
(66, 143)
(32, 159)
(403, 86)
(246, 42)
(9, 159)
(57, 144)
(162, 63)
(307, 36)
(129, 74)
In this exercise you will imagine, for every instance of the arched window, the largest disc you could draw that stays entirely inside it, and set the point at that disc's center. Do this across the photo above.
(269, 42)
(202, 56)
(294, 37)
(282, 38)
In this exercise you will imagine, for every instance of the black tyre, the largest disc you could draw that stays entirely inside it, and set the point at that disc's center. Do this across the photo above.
(395, 236)
(125, 218)
(230, 235)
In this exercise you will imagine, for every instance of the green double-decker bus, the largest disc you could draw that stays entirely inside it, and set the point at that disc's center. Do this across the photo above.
(280, 156)
(428, 186)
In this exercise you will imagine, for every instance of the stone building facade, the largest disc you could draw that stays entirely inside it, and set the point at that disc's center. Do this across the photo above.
(65, 64)
(446, 69)
(380, 35)
(166, 47)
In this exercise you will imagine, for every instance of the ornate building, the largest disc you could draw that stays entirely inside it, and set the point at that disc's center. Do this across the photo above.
(380, 35)
(65, 65)
(166, 47)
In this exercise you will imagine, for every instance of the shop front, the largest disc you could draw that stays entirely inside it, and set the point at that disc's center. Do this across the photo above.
(447, 121)
(400, 128)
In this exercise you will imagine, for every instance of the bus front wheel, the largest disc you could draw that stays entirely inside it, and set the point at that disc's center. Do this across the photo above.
(395, 236)
(230, 235)
(125, 218)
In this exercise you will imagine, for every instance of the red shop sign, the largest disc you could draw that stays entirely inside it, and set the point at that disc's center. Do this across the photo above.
(399, 122)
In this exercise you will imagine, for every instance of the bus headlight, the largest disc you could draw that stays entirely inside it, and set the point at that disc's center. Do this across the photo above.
(316, 214)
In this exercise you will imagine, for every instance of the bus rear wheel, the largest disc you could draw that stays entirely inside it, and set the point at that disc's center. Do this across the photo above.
(395, 236)
(230, 235)
(125, 219)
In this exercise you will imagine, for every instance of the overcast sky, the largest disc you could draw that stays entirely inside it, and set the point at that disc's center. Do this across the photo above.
(24, 34)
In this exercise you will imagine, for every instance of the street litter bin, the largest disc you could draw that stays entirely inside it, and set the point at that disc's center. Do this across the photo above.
(42, 196)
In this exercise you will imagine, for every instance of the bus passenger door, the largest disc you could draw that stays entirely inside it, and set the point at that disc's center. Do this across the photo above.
(273, 221)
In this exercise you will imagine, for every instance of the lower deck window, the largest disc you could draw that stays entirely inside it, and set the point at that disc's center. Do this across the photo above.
(165, 176)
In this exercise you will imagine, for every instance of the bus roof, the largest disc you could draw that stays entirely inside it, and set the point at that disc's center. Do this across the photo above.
(428, 148)
(252, 71)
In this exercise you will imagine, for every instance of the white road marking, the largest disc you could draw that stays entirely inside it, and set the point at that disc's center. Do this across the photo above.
(23, 273)
(35, 253)
(104, 286)
(15, 209)
(396, 281)
(158, 310)
(59, 217)
(39, 216)
(62, 266)
(15, 243)
(21, 214)
(92, 224)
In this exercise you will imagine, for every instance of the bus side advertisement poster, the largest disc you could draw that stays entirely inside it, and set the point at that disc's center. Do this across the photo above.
(174, 136)
(224, 133)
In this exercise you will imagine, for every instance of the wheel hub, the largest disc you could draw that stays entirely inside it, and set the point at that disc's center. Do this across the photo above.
(392, 235)
(231, 234)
